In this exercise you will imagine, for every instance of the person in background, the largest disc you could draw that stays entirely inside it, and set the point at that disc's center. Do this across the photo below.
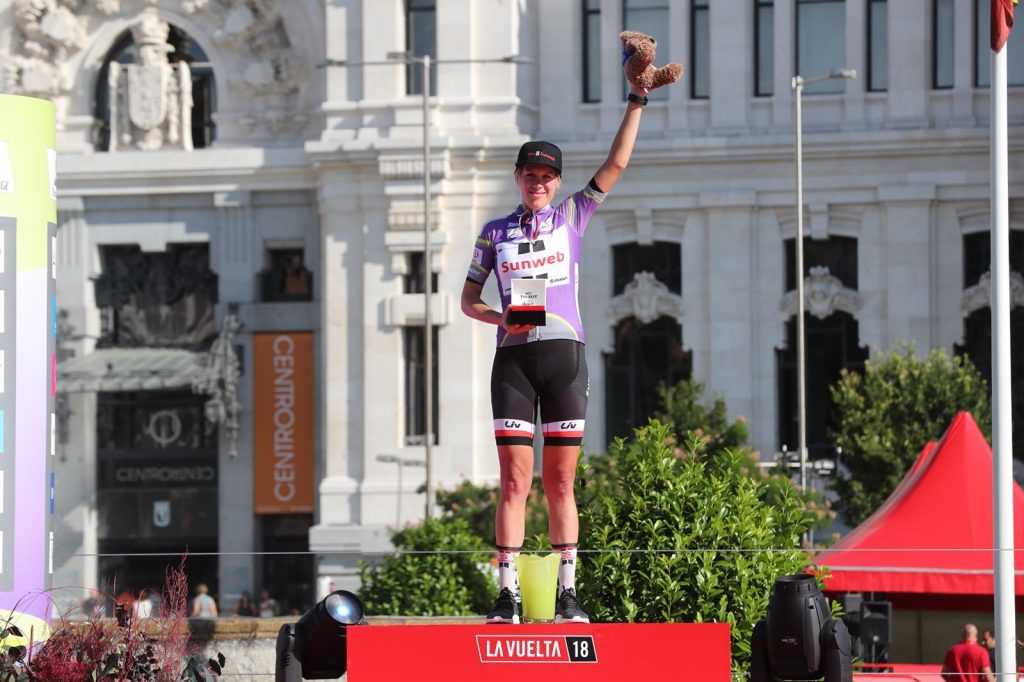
(125, 599)
(967, 661)
(95, 605)
(988, 640)
(268, 605)
(296, 279)
(143, 607)
(245, 606)
(203, 606)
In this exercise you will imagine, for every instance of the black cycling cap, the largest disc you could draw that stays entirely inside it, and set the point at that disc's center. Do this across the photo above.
(543, 153)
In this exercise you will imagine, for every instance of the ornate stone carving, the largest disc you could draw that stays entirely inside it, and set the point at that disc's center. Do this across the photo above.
(46, 34)
(646, 299)
(259, 58)
(271, 71)
(156, 299)
(980, 295)
(150, 102)
(220, 380)
(824, 294)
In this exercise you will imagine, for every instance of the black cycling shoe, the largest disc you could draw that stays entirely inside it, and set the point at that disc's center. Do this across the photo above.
(567, 608)
(506, 608)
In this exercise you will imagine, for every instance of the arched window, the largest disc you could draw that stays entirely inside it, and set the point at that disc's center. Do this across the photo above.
(831, 344)
(645, 354)
(977, 343)
(204, 92)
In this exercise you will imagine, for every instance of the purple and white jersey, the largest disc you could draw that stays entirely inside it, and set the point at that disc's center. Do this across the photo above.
(546, 245)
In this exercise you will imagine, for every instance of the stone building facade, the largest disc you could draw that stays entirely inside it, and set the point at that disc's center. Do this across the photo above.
(293, 205)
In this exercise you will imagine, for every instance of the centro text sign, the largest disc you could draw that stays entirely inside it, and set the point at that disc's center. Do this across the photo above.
(283, 423)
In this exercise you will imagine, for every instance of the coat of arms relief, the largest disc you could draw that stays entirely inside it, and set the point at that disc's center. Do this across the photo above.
(54, 48)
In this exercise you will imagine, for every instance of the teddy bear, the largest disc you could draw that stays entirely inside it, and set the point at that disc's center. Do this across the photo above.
(638, 57)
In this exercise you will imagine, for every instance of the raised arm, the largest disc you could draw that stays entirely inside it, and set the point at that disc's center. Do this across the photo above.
(622, 146)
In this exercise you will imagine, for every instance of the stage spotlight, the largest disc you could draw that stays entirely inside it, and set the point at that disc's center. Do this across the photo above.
(799, 640)
(316, 647)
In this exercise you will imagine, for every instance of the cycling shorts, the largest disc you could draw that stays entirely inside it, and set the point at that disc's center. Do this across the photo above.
(551, 374)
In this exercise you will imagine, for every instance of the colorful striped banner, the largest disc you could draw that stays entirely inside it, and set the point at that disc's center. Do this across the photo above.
(28, 344)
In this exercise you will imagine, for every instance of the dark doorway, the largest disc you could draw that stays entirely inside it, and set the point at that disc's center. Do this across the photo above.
(289, 571)
(156, 490)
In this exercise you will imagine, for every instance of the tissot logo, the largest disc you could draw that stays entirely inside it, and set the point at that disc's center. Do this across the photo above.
(568, 426)
(512, 424)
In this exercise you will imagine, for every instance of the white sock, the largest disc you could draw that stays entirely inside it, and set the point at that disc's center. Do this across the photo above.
(508, 575)
(567, 567)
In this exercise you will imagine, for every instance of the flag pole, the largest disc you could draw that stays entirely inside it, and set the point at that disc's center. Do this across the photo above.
(1002, 420)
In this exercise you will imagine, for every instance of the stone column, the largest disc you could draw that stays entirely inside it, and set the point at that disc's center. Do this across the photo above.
(963, 64)
(909, 37)
(785, 62)
(731, 77)
(907, 234)
(234, 256)
(856, 58)
(731, 291)
(76, 414)
(235, 250)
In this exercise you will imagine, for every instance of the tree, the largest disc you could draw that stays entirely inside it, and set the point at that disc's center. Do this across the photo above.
(887, 416)
(675, 539)
(683, 407)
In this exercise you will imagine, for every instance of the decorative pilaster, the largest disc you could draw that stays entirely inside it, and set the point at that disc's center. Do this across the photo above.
(235, 247)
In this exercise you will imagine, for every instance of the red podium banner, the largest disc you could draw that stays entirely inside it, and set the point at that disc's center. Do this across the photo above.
(505, 653)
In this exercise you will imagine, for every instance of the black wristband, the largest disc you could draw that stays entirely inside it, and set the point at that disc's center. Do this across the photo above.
(637, 99)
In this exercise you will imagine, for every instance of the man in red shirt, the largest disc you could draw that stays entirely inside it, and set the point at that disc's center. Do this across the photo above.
(968, 658)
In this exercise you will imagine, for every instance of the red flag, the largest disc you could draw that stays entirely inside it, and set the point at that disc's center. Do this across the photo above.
(1001, 21)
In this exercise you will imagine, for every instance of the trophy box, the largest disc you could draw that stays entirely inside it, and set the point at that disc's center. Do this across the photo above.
(529, 301)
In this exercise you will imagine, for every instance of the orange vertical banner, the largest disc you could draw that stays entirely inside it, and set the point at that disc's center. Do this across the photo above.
(283, 456)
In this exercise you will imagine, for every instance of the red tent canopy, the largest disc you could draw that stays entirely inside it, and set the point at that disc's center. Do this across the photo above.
(934, 533)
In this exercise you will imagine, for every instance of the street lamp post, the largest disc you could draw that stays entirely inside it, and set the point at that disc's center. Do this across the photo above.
(428, 323)
(798, 84)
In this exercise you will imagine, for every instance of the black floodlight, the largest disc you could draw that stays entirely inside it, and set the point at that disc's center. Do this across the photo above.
(799, 640)
(316, 647)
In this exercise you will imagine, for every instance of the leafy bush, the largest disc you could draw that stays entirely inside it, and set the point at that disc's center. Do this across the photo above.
(675, 541)
(440, 568)
(888, 415)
